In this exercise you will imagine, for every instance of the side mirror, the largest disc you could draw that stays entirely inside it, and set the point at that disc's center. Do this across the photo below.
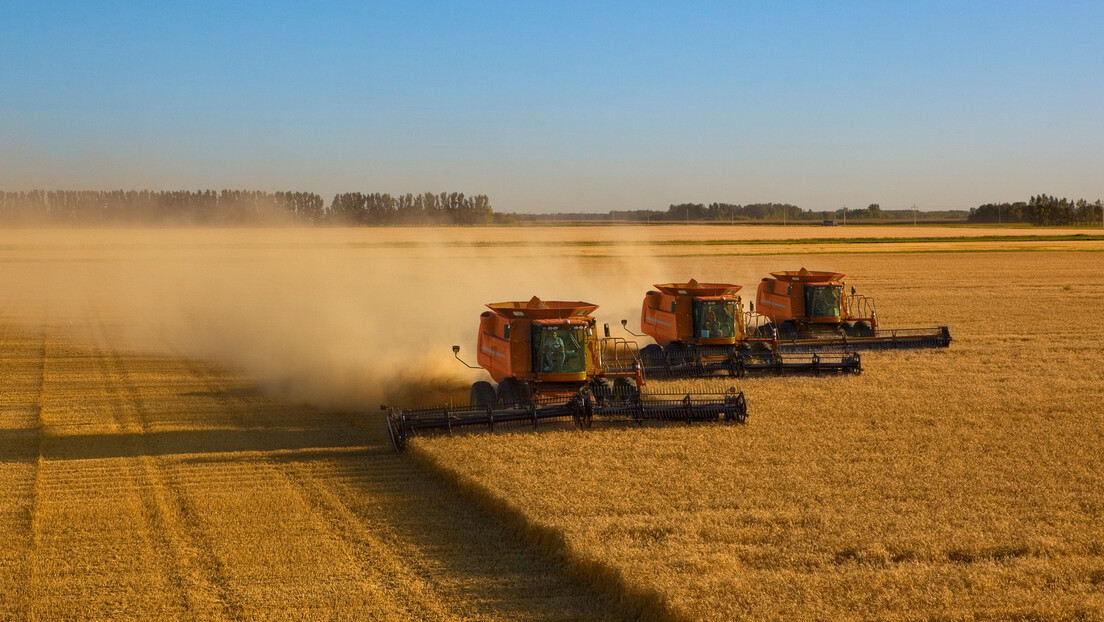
(625, 325)
(852, 290)
(751, 306)
(606, 327)
(456, 353)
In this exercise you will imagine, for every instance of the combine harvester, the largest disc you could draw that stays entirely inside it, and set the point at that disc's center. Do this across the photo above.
(805, 311)
(551, 367)
(700, 330)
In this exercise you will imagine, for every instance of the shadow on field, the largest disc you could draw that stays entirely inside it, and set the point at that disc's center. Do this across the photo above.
(462, 550)
(223, 393)
(19, 445)
(22, 445)
(466, 554)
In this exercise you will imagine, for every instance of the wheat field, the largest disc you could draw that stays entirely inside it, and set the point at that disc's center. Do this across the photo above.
(962, 484)
(189, 429)
(135, 486)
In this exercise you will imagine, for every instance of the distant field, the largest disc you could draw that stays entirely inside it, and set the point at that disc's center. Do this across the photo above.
(535, 242)
(189, 427)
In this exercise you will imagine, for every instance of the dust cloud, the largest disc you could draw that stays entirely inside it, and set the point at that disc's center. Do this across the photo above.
(324, 316)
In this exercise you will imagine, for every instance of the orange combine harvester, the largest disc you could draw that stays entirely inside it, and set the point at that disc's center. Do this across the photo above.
(700, 329)
(551, 366)
(807, 310)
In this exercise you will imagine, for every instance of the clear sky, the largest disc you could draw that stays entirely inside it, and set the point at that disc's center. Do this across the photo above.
(560, 106)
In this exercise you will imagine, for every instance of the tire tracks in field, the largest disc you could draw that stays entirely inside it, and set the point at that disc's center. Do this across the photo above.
(400, 594)
(435, 554)
(34, 519)
(188, 559)
(24, 446)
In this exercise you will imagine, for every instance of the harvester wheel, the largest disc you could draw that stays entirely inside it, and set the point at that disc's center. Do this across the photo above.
(651, 354)
(675, 354)
(761, 351)
(863, 329)
(482, 394)
(787, 330)
(625, 390)
(511, 392)
(600, 389)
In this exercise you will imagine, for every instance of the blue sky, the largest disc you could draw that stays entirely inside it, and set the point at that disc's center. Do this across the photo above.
(564, 106)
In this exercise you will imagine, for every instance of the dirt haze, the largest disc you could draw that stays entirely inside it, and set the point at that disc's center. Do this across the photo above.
(343, 324)
(355, 317)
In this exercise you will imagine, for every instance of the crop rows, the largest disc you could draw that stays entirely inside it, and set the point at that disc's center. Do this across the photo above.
(141, 486)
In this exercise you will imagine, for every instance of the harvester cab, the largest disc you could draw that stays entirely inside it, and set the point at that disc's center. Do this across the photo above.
(541, 348)
(808, 309)
(802, 301)
(550, 366)
(693, 313)
(700, 329)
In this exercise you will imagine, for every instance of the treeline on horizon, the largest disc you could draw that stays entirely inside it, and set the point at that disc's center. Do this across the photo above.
(228, 207)
(209, 207)
(1041, 210)
(774, 212)
(1038, 210)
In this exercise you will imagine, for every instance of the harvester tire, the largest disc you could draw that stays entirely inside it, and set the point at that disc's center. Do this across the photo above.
(483, 394)
(600, 389)
(511, 392)
(651, 354)
(624, 390)
(761, 351)
(863, 329)
(674, 352)
(787, 330)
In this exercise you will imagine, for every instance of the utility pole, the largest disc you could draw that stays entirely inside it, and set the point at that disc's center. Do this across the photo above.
(913, 214)
(844, 215)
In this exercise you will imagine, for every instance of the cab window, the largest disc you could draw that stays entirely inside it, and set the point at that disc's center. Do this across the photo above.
(823, 300)
(714, 319)
(560, 349)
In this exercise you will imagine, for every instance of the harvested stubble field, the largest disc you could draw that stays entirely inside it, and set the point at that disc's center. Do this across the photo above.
(188, 430)
(160, 487)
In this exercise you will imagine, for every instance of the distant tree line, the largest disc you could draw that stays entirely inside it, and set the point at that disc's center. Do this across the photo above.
(445, 208)
(204, 207)
(786, 212)
(752, 212)
(1040, 210)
